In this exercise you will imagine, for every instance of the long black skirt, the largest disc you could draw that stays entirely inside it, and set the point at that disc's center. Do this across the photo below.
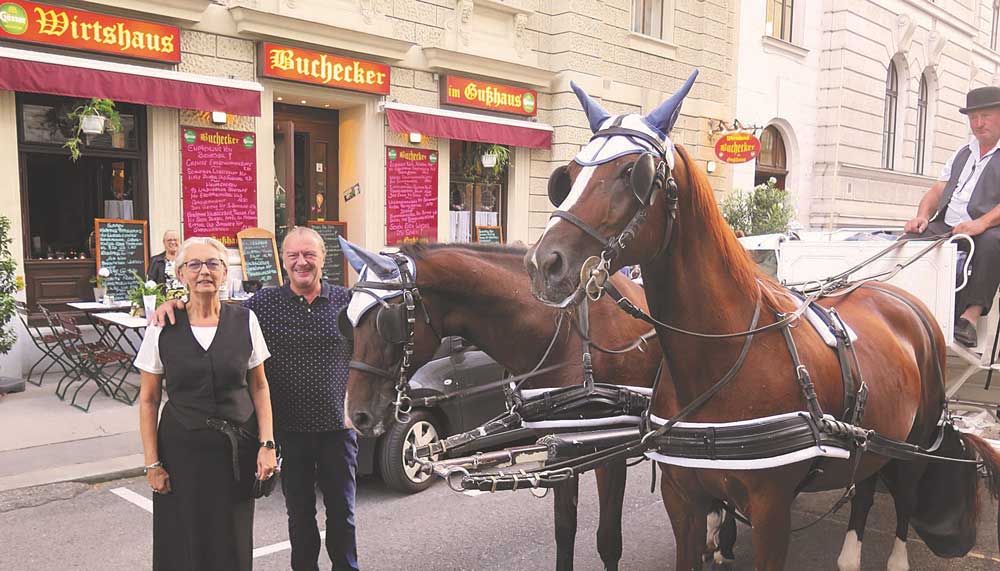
(206, 522)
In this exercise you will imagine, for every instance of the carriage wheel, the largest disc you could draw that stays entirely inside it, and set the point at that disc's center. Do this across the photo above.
(419, 431)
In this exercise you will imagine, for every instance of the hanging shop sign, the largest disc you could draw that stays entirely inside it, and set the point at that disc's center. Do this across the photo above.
(219, 176)
(306, 66)
(737, 147)
(76, 29)
(492, 96)
(411, 195)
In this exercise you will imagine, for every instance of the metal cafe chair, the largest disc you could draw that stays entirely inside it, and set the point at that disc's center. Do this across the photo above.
(107, 367)
(67, 352)
(47, 343)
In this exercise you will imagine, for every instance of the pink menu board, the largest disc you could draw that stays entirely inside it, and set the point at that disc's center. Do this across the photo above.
(411, 180)
(219, 174)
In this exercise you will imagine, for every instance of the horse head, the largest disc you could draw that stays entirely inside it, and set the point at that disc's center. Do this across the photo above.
(377, 322)
(613, 202)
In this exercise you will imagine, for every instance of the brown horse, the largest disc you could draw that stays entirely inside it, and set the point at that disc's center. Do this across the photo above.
(632, 197)
(482, 294)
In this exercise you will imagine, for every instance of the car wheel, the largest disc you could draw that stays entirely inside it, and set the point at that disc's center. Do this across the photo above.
(420, 430)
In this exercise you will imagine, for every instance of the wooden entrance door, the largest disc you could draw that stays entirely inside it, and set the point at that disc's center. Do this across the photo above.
(306, 173)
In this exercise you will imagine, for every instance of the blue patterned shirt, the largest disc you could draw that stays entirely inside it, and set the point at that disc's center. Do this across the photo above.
(307, 371)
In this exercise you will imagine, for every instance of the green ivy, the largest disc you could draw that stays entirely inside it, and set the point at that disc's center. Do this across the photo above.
(8, 285)
(766, 209)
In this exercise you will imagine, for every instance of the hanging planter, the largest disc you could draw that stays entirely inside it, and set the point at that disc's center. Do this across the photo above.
(91, 118)
(92, 124)
(489, 160)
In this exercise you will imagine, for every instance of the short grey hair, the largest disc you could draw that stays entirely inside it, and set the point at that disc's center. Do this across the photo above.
(181, 256)
(306, 231)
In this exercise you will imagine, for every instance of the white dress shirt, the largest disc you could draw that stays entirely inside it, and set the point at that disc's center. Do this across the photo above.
(958, 208)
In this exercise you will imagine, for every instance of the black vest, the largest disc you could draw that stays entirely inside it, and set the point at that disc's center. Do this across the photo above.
(984, 197)
(205, 384)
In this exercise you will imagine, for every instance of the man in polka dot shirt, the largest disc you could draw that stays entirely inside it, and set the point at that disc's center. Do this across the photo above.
(307, 373)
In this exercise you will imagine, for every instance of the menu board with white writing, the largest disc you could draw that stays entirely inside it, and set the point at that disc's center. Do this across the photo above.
(411, 181)
(219, 175)
(121, 249)
(334, 269)
(259, 256)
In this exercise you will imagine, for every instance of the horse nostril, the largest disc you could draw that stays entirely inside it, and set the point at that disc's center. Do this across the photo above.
(362, 420)
(553, 265)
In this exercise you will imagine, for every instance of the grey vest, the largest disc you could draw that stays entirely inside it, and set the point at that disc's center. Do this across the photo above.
(984, 197)
(205, 384)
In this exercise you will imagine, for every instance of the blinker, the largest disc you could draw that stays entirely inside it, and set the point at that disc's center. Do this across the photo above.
(559, 185)
(390, 322)
(344, 325)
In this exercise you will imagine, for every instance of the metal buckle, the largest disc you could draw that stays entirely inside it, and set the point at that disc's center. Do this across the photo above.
(594, 273)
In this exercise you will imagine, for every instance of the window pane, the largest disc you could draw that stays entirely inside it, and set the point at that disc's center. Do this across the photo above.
(48, 124)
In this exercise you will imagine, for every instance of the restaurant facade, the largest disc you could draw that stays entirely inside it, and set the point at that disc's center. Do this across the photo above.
(433, 120)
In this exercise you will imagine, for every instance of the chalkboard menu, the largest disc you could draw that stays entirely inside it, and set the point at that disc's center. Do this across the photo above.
(259, 256)
(489, 234)
(411, 194)
(219, 177)
(121, 249)
(334, 269)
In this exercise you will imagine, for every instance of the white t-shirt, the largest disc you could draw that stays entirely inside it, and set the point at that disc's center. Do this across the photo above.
(958, 207)
(148, 358)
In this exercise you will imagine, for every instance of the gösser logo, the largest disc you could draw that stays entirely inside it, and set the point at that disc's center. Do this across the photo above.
(392, 154)
(248, 141)
(528, 103)
(13, 19)
(189, 137)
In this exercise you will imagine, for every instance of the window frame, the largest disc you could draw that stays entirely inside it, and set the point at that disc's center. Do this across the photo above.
(667, 10)
(995, 25)
(890, 117)
(923, 107)
(787, 28)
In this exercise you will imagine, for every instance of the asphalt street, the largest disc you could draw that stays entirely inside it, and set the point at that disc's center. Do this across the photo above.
(105, 527)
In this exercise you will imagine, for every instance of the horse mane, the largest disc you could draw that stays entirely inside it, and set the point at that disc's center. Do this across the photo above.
(745, 273)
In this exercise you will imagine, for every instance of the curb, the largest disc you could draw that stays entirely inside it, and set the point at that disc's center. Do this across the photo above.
(109, 476)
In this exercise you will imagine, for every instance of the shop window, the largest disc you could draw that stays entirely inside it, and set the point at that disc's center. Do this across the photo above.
(477, 190)
(918, 159)
(61, 198)
(772, 161)
(779, 19)
(889, 118)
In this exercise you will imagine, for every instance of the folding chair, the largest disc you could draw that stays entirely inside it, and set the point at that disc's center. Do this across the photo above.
(95, 360)
(47, 343)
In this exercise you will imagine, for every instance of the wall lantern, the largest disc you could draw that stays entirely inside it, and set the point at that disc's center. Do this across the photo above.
(415, 138)
(219, 117)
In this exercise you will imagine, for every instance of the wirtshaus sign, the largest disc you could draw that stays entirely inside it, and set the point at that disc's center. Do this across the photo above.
(492, 96)
(297, 64)
(68, 28)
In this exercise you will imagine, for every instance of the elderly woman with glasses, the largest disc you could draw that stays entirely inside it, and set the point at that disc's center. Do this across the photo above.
(215, 435)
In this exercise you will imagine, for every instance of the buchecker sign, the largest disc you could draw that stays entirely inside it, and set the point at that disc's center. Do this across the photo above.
(484, 95)
(737, 147)
(297, 64)
(68, 28)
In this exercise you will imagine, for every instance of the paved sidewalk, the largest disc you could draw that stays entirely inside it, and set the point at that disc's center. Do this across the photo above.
(45, 440)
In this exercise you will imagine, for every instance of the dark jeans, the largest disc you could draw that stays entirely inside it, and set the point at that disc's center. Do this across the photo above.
(328, 460)
(985, 278)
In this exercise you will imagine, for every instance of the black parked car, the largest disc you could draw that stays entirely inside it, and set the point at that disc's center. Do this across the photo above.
(456, 367)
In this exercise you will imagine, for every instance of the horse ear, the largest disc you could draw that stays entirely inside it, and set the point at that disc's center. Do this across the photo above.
(664, 116)
(358, 257)
(596, 115)
(559, 185)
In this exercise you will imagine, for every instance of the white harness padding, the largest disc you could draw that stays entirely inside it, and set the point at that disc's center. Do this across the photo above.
(754, 464)
(604, 149)
(812, 316)
(361, 302)
(583, 422)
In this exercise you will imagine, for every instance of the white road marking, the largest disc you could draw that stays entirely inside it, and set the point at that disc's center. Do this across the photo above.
(147, 504)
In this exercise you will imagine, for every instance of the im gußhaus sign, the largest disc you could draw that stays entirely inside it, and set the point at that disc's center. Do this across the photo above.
(307, 66)
(68, 28)
(491, 96)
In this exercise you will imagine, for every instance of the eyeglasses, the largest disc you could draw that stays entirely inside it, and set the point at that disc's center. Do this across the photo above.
(213, 265)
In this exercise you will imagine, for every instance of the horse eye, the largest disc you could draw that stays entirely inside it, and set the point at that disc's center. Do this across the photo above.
(627, 173)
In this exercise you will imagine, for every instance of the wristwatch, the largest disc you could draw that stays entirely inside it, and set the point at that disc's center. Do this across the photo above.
(267, 444)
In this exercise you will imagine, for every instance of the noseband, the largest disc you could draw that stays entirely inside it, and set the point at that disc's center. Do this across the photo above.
(650, 171)
(395, 324)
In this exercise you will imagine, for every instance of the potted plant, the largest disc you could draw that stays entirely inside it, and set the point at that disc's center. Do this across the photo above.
(91, 118)
(98, 281)
(8, 287)
(766, 209)
(147, 295)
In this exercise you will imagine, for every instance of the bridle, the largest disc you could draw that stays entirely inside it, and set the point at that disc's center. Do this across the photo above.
(395, 323)
(647, 174)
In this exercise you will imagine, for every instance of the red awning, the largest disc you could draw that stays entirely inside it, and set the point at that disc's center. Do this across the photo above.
(21, 70)
(467, 126)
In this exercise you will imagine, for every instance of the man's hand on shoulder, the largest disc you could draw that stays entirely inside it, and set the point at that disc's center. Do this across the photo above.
(916, 225)
(165, 313)
(972, 227)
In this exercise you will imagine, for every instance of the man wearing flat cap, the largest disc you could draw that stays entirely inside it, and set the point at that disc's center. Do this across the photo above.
(966, 200)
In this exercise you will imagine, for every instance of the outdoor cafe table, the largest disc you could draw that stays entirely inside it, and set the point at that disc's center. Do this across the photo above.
(96, 306)
(118, 325)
